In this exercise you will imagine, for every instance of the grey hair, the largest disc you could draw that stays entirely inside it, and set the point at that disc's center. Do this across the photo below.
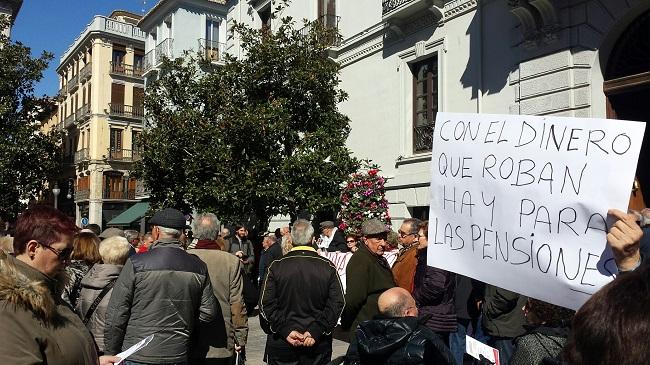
(131, 234)
(397, 307)
(114, 250)
(302, 232)
(414, 225)
(271, 237)
(206, 227)
(170, 232)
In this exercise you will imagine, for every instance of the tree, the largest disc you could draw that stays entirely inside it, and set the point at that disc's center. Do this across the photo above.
(255, 137)
(28, 157)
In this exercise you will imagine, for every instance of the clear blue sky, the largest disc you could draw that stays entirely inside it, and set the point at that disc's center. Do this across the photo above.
(52, 25)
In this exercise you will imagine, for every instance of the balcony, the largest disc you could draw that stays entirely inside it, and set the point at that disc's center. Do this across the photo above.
(69, 121)
(423, 138)
(212, 51)
(148, 62)
(395, 12)
(119, 154)
(82, 194)
(328, 21)
(81, 156)
(73, 83)
(125, 111)
(126, 70)
(119, 194)
(63, 91)
(83, 113)
(163, 49)
(86, 72)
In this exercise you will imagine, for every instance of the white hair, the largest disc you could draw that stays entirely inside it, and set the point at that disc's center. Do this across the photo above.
(114, 250)
(170, 232)
(302, 232)
(205, 227)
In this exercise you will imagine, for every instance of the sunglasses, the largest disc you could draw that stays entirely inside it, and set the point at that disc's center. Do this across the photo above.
(350, 241)
(63, 255)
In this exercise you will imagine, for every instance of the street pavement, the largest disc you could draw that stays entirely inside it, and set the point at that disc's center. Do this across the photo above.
(257, 340)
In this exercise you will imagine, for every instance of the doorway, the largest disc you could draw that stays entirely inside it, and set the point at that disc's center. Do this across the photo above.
(627, 88)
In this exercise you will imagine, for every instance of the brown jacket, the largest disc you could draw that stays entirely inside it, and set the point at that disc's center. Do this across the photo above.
(37, 328)
(404, 268)
(224, 270)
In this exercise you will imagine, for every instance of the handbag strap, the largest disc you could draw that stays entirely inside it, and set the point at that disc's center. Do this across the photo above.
(99, 298)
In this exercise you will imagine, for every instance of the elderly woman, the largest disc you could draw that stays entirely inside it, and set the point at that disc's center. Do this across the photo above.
(97, 286)
(85, 253)
(37, 326)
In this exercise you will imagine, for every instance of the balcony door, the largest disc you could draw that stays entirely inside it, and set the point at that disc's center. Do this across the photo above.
(327, 13)
(116, 144)
(117, 99)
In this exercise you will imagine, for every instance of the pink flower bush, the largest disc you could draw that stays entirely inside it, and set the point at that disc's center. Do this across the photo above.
(363, 197)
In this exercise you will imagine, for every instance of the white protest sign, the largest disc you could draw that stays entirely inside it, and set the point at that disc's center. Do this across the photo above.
(341, 259)
(476, 348)
(521, 202)
(133, 349)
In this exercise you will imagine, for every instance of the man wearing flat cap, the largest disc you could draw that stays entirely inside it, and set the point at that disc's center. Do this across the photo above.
(368, 275)
(164, 291)
(333, 239)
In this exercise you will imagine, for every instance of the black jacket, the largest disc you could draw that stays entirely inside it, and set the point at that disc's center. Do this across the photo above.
(433, 291)
(164, 291)
(302, 291)
(400, 341)
(502, 314)
(338, 243)
(267, 257)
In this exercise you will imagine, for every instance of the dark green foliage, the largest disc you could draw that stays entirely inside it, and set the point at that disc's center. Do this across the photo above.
(28, 157)
(255, 137)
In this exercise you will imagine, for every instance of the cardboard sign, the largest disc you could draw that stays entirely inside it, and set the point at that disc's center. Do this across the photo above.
(476, 349)
(521, 202)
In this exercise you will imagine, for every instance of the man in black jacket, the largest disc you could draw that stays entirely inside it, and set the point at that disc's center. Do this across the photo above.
(302, 299)
(398, 336)
(335, 237)
(165, 292)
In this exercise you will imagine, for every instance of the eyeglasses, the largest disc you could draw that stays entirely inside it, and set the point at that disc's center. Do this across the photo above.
(63, 255)
(350, 241)
(404, 234)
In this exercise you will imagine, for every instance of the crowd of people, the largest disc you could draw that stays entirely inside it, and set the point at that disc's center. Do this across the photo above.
(83, 296)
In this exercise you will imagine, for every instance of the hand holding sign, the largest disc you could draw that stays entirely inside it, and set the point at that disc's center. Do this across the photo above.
(624, 238)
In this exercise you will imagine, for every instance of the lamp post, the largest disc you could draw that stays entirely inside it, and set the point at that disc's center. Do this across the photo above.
(56, 191)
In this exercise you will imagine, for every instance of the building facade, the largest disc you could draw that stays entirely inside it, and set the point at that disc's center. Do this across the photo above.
(101, 109)
(173, 27)
(10, 8)
(405, 60)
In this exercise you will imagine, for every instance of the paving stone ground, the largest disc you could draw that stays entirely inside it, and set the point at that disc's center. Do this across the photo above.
(257, 340)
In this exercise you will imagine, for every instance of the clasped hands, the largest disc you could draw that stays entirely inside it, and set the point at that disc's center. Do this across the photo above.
(296, 339)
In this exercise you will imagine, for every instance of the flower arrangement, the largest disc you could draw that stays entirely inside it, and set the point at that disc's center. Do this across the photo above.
(363, 197)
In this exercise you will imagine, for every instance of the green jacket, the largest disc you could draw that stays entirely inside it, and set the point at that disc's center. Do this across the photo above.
(367, 276)
(502, 312)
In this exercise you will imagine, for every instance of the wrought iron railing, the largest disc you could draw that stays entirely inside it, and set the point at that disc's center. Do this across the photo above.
(389, 5)
(81, 155)
(120, 154)
(83, 112)
(86, 72)
(148, 61)
(73, 83)
(69, 121)
(81, 194)
(126, 70)
(163, 49)
(329, 21)
(119, 194)
(423, 137)
(63, 91)
(211, 50)
(126, 111)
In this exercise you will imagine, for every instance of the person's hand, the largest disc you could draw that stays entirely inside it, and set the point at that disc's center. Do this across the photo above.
(108, 360)
(624, 237)
(239, 254)
(295, 338)
(308, 341)
(238, 348)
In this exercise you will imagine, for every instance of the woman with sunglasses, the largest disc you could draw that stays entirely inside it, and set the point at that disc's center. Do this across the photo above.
(352, 242)
(37, 326)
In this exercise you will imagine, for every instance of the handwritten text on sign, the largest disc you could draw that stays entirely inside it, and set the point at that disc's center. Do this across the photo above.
(521, 201)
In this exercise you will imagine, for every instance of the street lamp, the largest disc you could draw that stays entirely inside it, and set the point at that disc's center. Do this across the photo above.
(56, 191)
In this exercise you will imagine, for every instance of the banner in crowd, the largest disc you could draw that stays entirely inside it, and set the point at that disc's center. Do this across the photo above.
(521, 202)
(341, 259)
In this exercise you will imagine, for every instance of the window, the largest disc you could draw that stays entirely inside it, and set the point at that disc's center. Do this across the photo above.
(117, 99)
(265, 17)
(135, 141)
(138, 101)
(327, 13)
(138, 61)
(119, 53)
(212, 39)
(425, 103)
(116, 140)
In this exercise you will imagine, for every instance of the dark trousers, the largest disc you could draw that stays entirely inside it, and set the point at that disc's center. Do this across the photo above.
(506, 348)
(302, 359)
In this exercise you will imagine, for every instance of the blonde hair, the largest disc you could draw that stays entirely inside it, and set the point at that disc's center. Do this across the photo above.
(115, 250)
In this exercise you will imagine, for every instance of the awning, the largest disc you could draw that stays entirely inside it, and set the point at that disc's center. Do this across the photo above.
(130, 215)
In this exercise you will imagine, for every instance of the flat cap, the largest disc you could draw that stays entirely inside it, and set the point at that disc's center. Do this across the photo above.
(373, 226)
(111, 232)
(327, 224)
(168, 218)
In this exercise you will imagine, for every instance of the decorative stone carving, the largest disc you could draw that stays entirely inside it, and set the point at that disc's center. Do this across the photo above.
(538, 19)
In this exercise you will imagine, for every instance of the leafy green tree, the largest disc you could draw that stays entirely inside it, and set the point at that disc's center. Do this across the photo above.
(28, 157)
(252, 138)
